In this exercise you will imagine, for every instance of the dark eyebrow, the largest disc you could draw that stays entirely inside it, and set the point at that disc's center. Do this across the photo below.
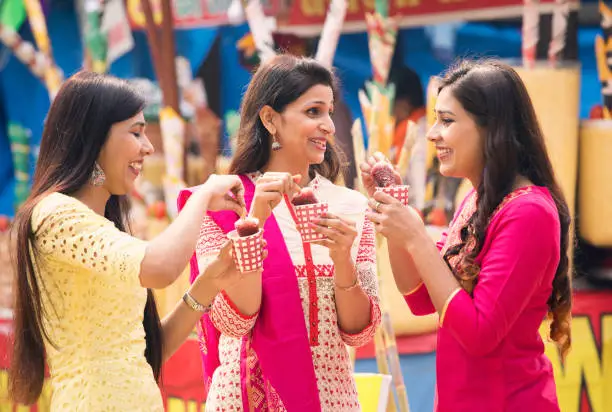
(140, 124)
(321, 102)
(445, 112)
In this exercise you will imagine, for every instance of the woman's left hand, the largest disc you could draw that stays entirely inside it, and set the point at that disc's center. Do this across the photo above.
(396, 222)
(339, 235)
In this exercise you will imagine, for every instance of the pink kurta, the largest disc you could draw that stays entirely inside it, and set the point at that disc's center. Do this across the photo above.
(336, 386)
(490, 355)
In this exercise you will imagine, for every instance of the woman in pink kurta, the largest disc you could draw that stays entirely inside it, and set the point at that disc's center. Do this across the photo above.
(502, 267)
(312, 299)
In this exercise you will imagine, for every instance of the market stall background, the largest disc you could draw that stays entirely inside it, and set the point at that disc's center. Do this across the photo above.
(212, 53)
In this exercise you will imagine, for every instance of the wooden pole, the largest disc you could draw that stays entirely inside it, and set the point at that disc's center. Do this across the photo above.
(168, 55)
(154, 43)
(163, 54)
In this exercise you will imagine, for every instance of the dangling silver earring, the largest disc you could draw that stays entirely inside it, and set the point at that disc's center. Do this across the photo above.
(276, 146)
(97, 176)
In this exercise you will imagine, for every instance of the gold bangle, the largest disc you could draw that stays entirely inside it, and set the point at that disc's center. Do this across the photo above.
(194, 304)
(351, 287)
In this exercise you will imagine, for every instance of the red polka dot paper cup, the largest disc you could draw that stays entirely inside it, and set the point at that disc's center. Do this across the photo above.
(398, 192)
(305, 215)
(248, 251)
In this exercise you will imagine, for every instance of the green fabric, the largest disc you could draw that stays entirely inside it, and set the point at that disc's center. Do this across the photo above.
(19, 137)
(12, 13)
(94, 38)
(382, 7)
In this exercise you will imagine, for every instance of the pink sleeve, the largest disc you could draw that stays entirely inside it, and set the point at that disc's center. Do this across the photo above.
(418, 299)
(228, 319)
(524, 249)
(419, 302)
(368, 279)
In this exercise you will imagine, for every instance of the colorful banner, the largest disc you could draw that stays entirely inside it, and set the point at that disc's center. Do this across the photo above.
(582, 383)
(20, 147)
(409, 12)
(192, 13)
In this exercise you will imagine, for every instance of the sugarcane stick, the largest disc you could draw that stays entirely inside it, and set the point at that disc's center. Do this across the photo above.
(403, 161)
(388, 335)
(35, 61)
(53, 76)
(352, 352)
(382, 364)
(394, 362)
(359, 152)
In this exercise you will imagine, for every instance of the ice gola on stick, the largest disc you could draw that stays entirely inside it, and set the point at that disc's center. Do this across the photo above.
(383, 174)
(308, 208)
(306, 196)
(384, 179)
(247, 243)
(247, 226)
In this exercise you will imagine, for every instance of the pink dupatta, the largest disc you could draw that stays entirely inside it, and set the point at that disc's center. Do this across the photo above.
(279, 337)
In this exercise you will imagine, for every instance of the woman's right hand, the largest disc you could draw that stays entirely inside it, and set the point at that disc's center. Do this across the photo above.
(269, 191)
(222, 273)
(226, 192)
(366, 177)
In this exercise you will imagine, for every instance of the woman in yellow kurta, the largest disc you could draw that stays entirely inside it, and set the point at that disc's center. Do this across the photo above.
(81, 291)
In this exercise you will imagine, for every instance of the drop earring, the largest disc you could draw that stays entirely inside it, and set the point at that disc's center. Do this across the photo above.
(97, 175)
(276, 146)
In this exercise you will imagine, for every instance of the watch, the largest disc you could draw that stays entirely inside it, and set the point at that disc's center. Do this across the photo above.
(194, 304)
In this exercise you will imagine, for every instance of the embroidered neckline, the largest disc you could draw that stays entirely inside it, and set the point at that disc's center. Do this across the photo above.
(468, 210)
(471, 202)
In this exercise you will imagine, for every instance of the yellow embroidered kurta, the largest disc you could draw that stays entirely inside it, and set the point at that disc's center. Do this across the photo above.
(94, 307)
(337, 391)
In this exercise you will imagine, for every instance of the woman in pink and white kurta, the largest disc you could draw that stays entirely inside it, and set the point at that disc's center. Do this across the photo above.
(330, 359)
(276, 340)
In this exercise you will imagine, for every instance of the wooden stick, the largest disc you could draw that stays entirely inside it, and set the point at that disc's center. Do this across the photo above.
(388, 339)
(379, 337)
(359, 152)
(36, 61)
(403, 161)
(53, 77)
(352, 351)
(394, 361)
(168, 55)
(154, 43)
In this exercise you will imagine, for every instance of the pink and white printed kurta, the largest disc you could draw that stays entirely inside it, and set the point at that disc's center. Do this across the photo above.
(331, 362)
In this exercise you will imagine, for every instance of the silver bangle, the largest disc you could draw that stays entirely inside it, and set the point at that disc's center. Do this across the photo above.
(194, 304)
